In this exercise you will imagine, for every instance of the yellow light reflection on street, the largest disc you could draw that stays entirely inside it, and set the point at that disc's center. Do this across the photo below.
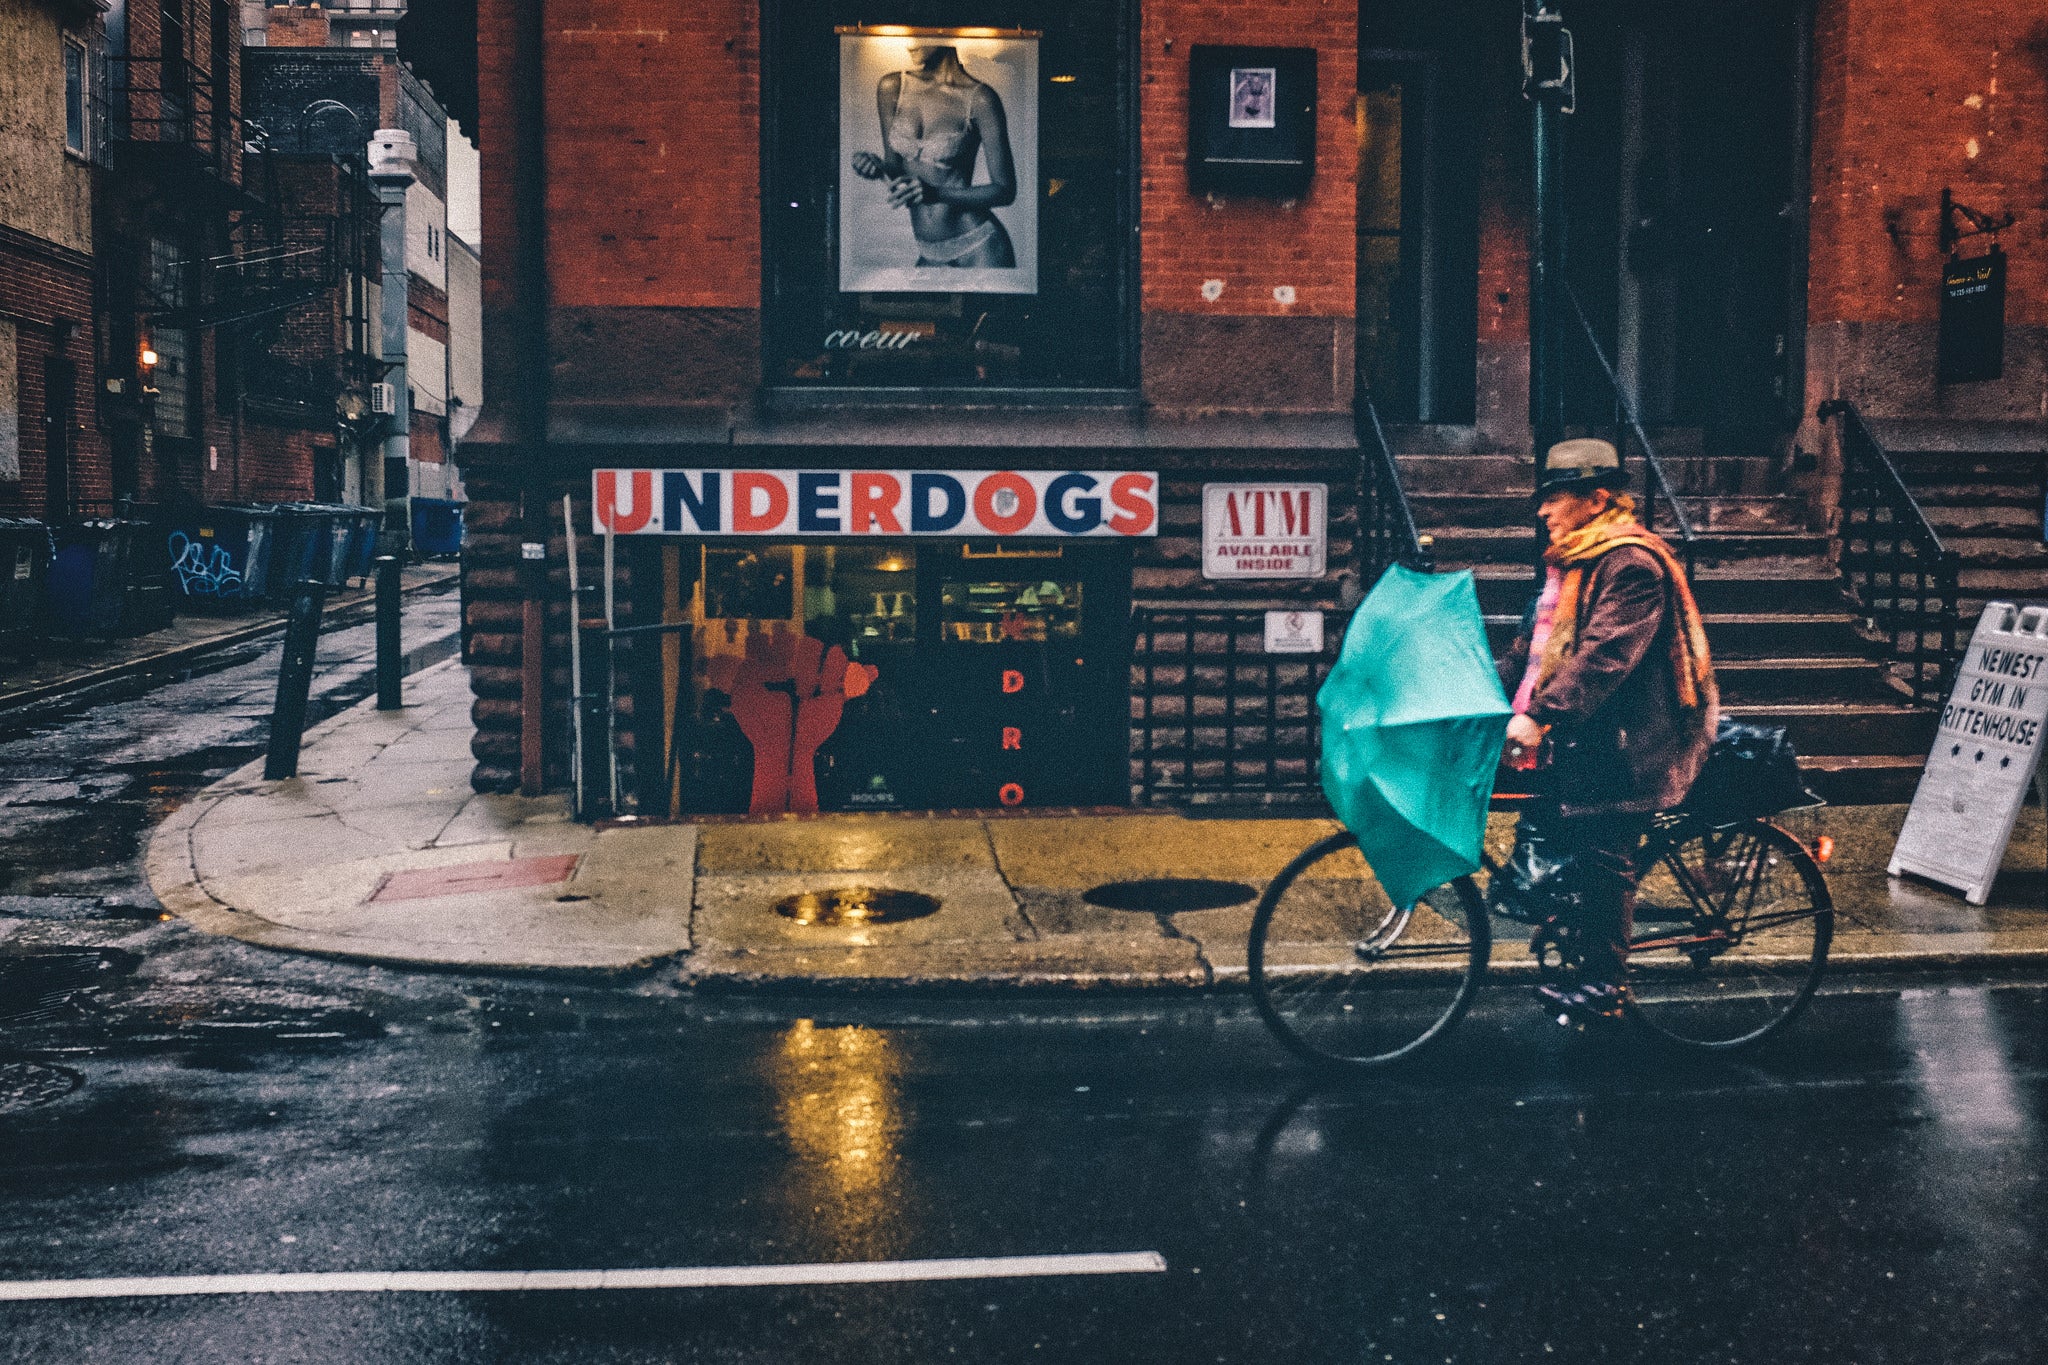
(838, 1100)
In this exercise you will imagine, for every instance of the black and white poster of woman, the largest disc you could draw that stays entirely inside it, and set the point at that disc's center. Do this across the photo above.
(938, 162)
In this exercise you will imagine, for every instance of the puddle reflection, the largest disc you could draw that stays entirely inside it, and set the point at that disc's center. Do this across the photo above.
(838, 1097)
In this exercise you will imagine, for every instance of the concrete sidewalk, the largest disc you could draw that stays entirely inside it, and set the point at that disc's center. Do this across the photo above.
(60, 666)
(380, 851)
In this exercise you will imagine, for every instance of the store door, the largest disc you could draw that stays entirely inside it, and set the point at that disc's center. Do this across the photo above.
(1028, 664)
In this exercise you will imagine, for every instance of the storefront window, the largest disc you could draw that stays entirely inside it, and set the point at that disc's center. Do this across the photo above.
(828, 675)
(949, 196)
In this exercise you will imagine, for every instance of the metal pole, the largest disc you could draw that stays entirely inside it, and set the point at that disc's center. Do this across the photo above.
(392, 158)
(1547, 82)
(388, 664)
(575, 655)
(611, 686)
(294, 681)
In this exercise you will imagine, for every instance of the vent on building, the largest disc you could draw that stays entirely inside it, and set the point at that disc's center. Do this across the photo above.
(383, 399)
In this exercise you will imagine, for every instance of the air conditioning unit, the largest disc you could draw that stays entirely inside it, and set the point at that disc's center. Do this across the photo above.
(383, 399)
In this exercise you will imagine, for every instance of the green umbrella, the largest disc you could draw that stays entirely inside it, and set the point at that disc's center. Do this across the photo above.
(1413, 717)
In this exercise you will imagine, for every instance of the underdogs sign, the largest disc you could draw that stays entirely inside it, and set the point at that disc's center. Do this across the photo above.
(874, 502)
(1264, 530)
(1986, 751)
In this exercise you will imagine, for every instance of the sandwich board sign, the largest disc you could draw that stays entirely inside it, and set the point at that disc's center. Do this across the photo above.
(1985, 754)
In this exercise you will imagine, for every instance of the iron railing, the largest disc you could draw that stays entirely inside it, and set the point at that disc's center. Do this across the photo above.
(1216, 719)
(1627, 426)
(1386, 523)
(1896, 567)
(167, 101)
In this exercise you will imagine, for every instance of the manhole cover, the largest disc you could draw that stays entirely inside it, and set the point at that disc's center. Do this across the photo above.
(25, 1085)
(856, 905)
(1168, 895)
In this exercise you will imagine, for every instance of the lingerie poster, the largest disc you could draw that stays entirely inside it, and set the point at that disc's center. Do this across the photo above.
(938, 161)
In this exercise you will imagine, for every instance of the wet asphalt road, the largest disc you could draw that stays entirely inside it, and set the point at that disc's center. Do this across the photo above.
(1867, 1191)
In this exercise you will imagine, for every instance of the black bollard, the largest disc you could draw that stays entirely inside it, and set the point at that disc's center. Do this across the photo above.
(388, 672)
(294, 681)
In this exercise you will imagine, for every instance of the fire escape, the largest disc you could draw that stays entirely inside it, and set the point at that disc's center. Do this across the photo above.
(209, 231)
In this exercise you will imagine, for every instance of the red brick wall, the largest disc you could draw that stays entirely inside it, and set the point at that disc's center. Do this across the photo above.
(653, 154)
(292, 26)
(38, 283)
(1909, 99)
(1250, 244)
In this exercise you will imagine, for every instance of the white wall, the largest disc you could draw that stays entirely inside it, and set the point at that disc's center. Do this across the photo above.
(426, 236)
(465, 334)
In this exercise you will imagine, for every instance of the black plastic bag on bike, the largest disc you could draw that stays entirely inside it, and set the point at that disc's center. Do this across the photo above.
(1535, 883)
(1751, 771)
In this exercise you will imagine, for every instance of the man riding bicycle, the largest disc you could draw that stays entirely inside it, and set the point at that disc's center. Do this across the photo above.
(1614, 700)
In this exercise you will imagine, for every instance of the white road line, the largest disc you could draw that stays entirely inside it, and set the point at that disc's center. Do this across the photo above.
(530, 1281)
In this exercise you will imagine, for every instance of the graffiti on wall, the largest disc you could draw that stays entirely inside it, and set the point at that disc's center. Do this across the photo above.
(203, 570)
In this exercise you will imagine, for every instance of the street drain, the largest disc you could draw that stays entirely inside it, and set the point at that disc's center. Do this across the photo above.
(27, 1085)
(856, 905)
(38, 984)
(1169, 895)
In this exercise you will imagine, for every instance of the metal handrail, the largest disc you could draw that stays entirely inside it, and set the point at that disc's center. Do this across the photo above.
(1626, 420)
(1386, 523)
(166, 99)
(1902, 576)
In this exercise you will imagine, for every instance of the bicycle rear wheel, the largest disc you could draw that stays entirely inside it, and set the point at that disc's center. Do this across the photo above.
(1731, 935)
(1346, 979)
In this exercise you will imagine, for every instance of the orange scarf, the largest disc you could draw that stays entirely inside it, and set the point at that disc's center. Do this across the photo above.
(1577, 551)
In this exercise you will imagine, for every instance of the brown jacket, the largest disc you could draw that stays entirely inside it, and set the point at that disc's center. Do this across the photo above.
(1620, 740)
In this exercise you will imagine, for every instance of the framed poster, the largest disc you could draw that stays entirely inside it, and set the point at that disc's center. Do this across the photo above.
(938, 161)
(1251, 96)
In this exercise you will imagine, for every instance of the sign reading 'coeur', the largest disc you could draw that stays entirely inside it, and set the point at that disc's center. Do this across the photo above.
(874, 502)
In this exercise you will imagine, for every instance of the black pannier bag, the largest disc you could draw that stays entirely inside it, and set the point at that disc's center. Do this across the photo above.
(1751, 771)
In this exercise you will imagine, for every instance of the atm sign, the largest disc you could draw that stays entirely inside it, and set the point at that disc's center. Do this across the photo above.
(1264, 530)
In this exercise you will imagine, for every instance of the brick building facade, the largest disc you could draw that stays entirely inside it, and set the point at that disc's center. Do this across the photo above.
(687, 258)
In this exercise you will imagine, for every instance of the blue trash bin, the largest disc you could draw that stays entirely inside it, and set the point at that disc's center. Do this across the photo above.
(88, 583)
(303, 549)
(24, 574)
(362, 545)
(221, 554)
(437, 526)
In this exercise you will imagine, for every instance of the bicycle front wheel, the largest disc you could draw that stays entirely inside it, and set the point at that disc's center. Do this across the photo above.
(1731, 935)
(1344, 977)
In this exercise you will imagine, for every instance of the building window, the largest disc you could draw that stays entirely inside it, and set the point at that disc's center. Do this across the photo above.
(949, 205)
(176, 375)
(75, 98)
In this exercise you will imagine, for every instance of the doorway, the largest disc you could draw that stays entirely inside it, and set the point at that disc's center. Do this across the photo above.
(1687, 238)
(60, 398)
(1417, 240)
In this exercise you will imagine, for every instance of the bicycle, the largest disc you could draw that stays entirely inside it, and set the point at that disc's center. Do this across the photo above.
(1732, 927)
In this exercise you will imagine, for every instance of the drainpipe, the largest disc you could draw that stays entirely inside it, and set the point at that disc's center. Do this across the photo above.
(392, 158)
(527, 137)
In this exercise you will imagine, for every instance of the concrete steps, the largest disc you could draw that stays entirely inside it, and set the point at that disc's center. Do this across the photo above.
(1789, 649)
(1981, 486)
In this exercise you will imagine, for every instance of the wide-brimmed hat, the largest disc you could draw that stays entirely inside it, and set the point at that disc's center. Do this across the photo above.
(1580, 466)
